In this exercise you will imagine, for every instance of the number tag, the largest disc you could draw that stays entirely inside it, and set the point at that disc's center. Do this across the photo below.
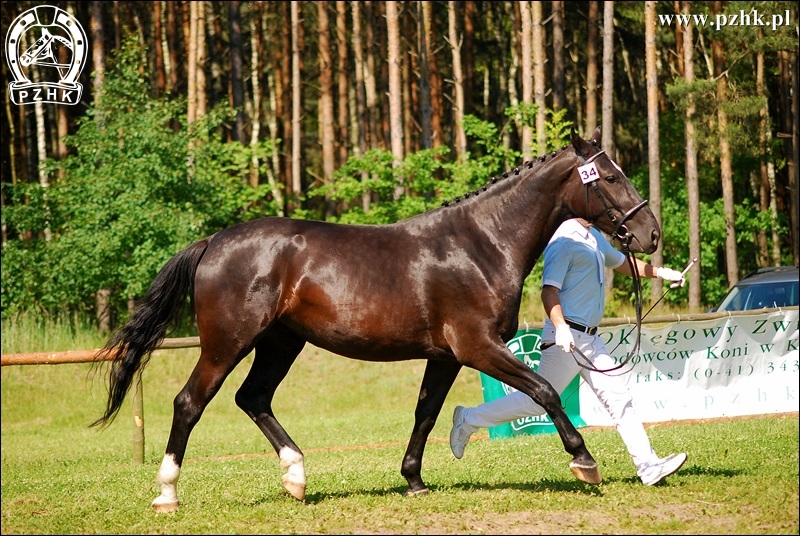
(588, 173)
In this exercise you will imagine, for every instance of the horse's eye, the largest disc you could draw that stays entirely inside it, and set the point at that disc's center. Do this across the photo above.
(611, 178)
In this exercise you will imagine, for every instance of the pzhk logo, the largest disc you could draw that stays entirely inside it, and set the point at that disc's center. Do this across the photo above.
(526, 348)
(55, 34)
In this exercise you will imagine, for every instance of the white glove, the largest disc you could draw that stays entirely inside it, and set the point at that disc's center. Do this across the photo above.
(564, 338)
(674, 276)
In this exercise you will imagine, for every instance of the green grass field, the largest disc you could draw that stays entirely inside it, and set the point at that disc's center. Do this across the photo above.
(352, 419)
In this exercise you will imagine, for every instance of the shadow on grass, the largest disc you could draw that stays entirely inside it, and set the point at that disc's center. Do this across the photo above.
(544, 485)
(573, 486)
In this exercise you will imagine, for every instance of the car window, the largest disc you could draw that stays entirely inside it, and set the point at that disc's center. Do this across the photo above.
(748, 297)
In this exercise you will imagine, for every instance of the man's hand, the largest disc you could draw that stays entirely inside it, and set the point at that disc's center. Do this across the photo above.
(673, 276)
(564, 338)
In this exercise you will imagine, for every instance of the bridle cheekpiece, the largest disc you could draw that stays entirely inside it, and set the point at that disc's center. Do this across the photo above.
(589, 175)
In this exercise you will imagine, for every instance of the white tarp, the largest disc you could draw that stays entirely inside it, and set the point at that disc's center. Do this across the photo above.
(736, 365)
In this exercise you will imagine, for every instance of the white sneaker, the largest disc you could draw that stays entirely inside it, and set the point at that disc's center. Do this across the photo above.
(654, 472)
(460, 434)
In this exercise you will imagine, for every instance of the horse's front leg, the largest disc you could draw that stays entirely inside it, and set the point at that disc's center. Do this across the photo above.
(496, 360)
(436, 383)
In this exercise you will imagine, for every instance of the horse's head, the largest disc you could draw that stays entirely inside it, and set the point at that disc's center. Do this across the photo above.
(599, 191)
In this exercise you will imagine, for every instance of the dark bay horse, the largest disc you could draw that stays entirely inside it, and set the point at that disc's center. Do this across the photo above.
(444, 286)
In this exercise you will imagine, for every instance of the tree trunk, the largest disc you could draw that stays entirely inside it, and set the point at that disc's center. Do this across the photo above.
(382, 75)
(370, 84)
(679, 58)
(103, 310)
(468, 55)
(408, 83)
(326, 118)
(537, 38)
(395, 89)
(653, 156)
(437, 131)
(62, 121)
(692, 179)
(607, 142)
(297, 127)
(237, 84)
(793, 159)
(161, 78)
(277, 186)
(342, 85)
(255, 120)
(200, 72)
(513, 68)
(766, 186)
(191, 72)
(607, 132)
(41, 146)
(527, 75)
(172, 40)
(424, 79)
(559, 74)
(460, 141)
(361, 103)
(12, 141)
(117, 33)
(257, 67)
(591, 70)
(725, 162)
(98, 51)
(494, 28)
(28, 123)
(283, 65)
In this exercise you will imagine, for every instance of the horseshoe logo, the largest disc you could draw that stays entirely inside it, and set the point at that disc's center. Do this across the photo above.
(51, 27)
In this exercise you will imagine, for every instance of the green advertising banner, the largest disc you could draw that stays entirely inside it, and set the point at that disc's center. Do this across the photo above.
(526, 347)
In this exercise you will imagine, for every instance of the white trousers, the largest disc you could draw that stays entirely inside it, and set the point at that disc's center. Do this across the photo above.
(558, 368)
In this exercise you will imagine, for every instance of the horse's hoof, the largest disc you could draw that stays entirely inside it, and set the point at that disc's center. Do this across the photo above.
(585, 472)
(414, 493)
(165, 507)
(295, 489)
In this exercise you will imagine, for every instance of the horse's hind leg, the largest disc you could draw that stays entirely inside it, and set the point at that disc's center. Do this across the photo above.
(436, 383)
(207, 377)
(275, 353)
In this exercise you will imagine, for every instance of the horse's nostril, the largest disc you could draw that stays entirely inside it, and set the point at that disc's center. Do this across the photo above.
(656, 235)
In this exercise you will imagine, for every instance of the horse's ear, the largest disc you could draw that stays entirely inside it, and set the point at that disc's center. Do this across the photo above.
(581, 147)
(596, 137)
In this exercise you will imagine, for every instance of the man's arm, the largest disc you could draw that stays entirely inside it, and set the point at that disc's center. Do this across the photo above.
(650, 271)
(552, 306)
(645, 269)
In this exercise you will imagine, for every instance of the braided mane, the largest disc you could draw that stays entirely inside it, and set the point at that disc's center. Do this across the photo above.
(516, 171)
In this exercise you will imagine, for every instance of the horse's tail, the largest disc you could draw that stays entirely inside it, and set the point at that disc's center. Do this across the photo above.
(130, 348)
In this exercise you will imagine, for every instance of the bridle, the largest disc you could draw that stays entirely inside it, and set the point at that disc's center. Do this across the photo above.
(625, 237)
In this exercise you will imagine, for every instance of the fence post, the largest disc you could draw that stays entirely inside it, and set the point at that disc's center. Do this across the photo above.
(138, 420)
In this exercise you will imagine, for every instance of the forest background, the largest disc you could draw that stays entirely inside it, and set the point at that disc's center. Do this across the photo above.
(198, 115)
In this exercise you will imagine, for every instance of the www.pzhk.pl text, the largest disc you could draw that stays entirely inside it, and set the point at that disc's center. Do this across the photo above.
(743, 18)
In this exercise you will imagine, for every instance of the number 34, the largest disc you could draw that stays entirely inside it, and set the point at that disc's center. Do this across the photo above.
(588, 173)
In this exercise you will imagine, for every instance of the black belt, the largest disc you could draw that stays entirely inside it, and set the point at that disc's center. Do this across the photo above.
(579, 327)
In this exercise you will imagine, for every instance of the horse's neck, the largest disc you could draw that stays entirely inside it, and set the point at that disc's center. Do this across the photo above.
(525, 213)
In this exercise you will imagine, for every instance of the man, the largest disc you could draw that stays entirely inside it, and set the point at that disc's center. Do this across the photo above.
(573, 295)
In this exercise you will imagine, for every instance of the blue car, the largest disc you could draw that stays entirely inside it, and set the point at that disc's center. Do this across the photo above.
(775, 286)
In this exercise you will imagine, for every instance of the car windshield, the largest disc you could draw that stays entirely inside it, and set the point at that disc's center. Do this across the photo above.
(746, 297)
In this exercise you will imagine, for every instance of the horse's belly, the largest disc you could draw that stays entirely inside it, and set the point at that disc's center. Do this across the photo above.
(368, 343)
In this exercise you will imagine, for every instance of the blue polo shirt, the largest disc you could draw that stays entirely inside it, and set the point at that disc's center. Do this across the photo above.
(574, 262)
